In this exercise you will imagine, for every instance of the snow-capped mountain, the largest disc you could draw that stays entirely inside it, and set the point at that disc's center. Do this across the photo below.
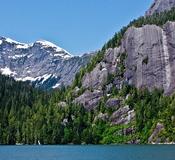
(42, 63)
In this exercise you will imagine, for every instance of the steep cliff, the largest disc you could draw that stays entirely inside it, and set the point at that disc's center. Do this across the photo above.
(160, 6)
(150, 56)
(149, 63)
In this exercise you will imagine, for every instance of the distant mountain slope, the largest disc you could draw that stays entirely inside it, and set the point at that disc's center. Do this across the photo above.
(160, 5)
(43, 63)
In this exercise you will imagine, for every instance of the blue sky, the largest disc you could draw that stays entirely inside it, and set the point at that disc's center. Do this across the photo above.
(78, 26)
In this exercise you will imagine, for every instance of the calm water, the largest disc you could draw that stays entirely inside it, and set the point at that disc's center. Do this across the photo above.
(123, 152)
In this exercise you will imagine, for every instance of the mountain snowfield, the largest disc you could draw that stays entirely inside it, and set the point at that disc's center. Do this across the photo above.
(43, 63)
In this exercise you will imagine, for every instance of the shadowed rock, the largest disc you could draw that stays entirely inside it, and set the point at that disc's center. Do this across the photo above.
(122, 116)
(98, 76)
(154, 135)
(89, 99)
(113, 103)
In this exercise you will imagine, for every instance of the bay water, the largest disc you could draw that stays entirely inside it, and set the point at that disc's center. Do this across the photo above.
(88, 152)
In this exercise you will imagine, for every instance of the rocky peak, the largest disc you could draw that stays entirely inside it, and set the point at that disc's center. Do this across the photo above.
(160, 6)
(43, 44)
(42, 63)
(13, 44)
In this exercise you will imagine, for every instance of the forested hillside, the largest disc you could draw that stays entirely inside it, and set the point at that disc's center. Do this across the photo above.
(28, 116)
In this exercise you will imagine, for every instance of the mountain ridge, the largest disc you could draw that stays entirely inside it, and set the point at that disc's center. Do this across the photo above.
(35, 61)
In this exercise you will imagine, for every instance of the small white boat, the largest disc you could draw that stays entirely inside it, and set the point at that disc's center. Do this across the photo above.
(19, 144)
(39, 142)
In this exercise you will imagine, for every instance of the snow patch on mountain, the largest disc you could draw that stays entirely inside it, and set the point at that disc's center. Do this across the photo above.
(47, 44)
(11, 41)
(46, 77)
(42, 78)
(30, 55)
(62, 55)
(7, 71)
(19, 45)
(26, 79)
(44, 44)
(17, 56)
(22, 46)
(56, 85)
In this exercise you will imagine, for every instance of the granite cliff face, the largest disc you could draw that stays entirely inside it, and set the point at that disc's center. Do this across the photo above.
(42, 63)
(98, 77)
(149, 63)
(95, 81)
(159, 6)
(150, 56)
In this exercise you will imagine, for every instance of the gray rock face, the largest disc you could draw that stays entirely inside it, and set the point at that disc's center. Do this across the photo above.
(113, 103)
(98, 77)
(62, 104)
(128, 131)
(154, 135)
(122, 116)
(43, 63)
(150, 59)
(102, 116)
(160, 6)
(89, 99)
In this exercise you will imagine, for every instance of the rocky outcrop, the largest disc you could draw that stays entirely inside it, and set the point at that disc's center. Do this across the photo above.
(154, 136)
(102, 116)
(113, 103)
(150, 56)
(62, 104)
(122, 116)
(98, 76)
(89, 99)
(160, 6)
(97, 79)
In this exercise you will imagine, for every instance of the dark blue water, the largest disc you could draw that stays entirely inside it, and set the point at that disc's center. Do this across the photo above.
(123, 152)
